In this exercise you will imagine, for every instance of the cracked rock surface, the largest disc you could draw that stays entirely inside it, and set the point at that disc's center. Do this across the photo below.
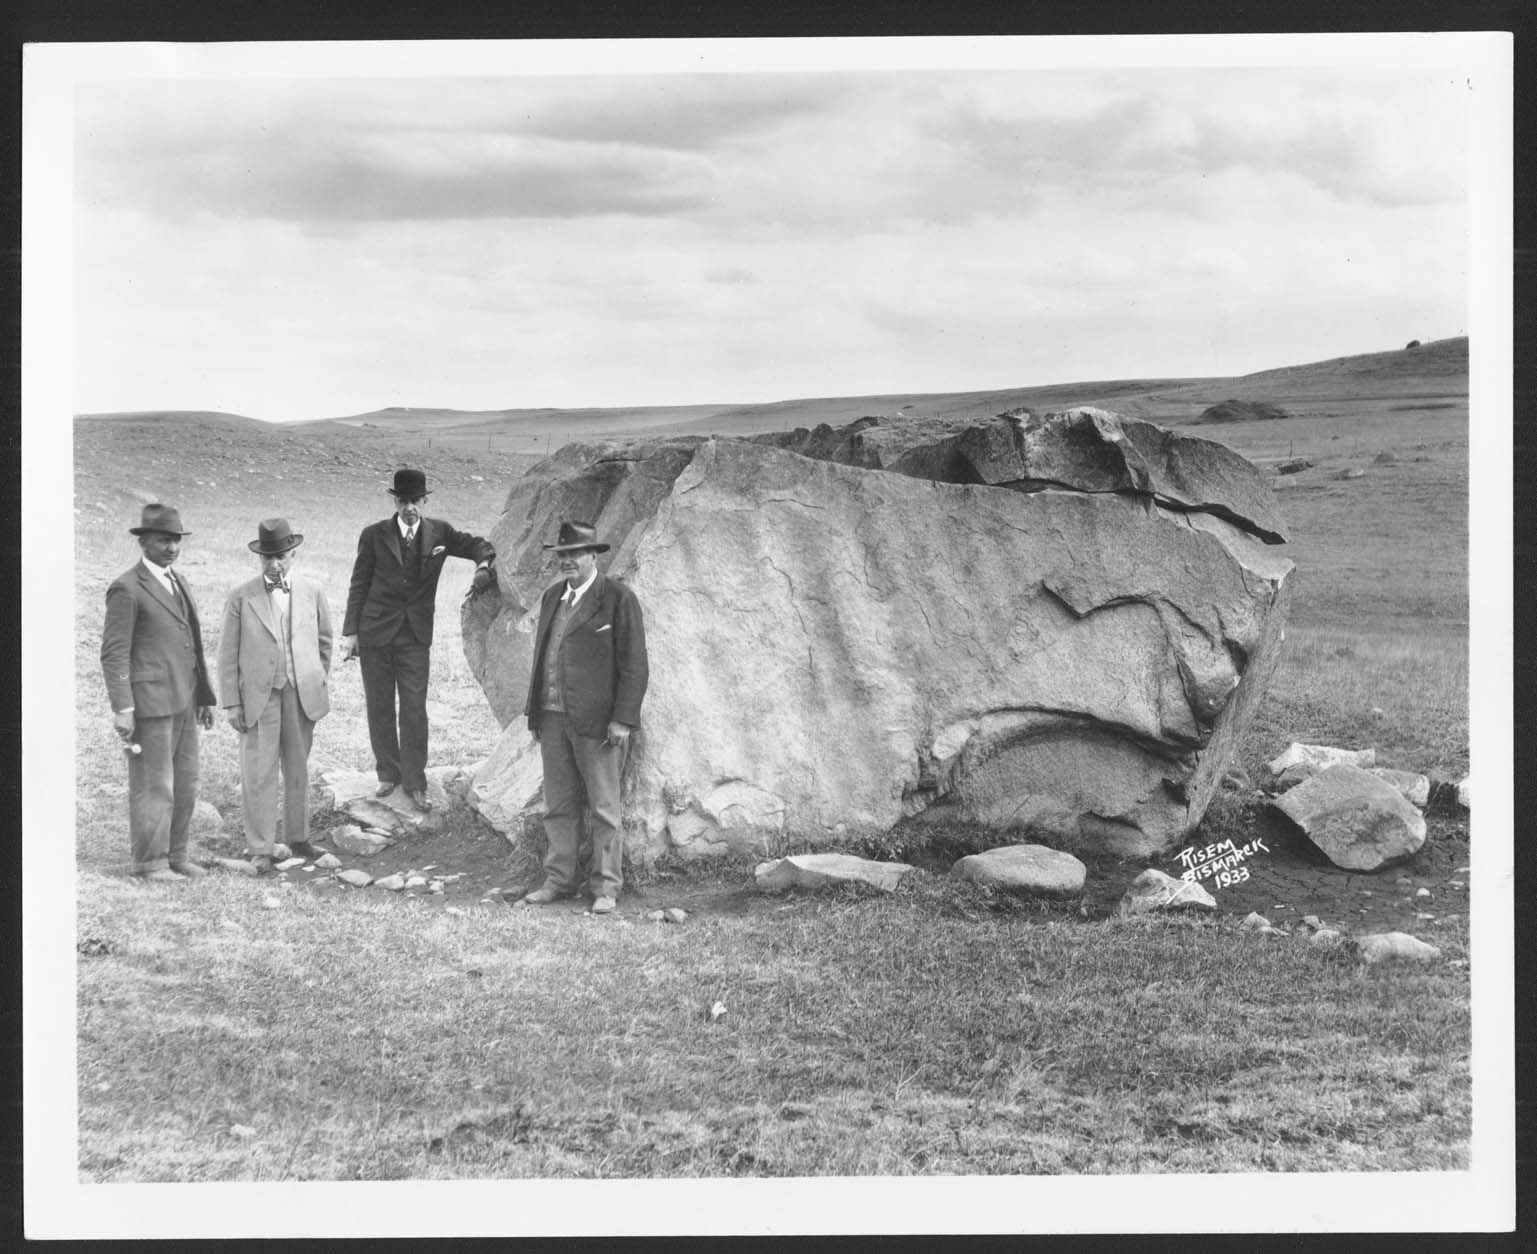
(840, 644)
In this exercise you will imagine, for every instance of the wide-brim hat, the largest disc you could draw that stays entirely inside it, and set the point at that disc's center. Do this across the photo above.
(274, 537)
(576, 536)
(159, 518)
(408, 483)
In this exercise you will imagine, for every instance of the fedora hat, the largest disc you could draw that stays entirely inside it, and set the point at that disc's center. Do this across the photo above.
(408, 483)
(159, 518)
(274, 536)
(575, 536)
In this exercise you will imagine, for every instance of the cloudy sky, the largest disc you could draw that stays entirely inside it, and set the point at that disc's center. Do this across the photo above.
(305, 247)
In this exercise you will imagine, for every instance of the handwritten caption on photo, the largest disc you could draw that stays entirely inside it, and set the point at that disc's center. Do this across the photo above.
(1220, 862)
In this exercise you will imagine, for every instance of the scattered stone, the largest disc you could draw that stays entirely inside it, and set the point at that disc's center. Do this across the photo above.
(1390, 946)
(281, 852)
(1326, 938)
(352, 839)
(416, 881)
(394, 883)
(715, 1011)
(435, 887)
(1357, 820)
(1427, 917)
(238, 865)
(818, 870)
(244, 1131)
(1254, 922)
(1312, 921)
(1153, 890)
(355, 877)
(1423, 892)
(1414, 788)
(1354, 472)
(1301, 762)
(1465, 793)
(1455, 884)
(271, 903)
(674, 915)
(1378, 712)
(1295, 466)
(453, 910)
(328, 862)
(1385, 458)
(1030, 870)
(288, 864)
(654, 916)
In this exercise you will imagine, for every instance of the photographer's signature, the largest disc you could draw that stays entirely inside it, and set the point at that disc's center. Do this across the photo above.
(1221, 862)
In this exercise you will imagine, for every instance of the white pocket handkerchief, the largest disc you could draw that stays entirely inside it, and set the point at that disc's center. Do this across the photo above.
(442, 548)
(605, 627)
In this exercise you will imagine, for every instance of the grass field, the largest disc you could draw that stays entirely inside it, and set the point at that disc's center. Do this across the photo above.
(937, 1031)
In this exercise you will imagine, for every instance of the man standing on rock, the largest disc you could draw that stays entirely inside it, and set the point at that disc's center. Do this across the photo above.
(589, 677)
(157, 681)
(388, 626)
(274, 655)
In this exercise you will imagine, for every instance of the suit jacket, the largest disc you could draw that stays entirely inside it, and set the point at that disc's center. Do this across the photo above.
(604, 656)
(152, 648)
(251, 652)
(384, 593)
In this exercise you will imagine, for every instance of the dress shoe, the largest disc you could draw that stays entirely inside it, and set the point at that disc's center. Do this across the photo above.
(262, 863)
(419, 798)
(163, 875)
(386, 787)
(540, 897)
(603, 905)
(189, 870)
(303, 849)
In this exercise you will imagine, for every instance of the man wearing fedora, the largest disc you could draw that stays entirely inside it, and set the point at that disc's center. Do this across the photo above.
(157, 682)
(274, 654)
(588, 680)
(388, 626)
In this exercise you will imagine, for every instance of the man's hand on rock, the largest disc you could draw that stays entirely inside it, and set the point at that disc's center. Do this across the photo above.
(484, 578)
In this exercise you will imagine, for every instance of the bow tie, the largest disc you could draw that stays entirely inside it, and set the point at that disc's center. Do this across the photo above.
(277, 585)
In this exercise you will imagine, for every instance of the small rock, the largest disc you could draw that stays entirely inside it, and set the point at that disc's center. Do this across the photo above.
(1153, 890)
(281, 852)
(1427, 917)
(1353, 472)
(1423, 892)
(1403, 880)
(1272, 931)
(1312, 921)
(655, 916)
(355, 877)
(243, 1131)
(1386, 458)
(1462, 870)
(1390, 946)
(1029, 870)
(1301, 761)
(817, 870)
(354, 840)
(1465, 793)
(1325, 937)
(1294, 466)
(1254, 921)
(238, 865)
(435, 887)
(715, 1011)
(453, 910)
(416, 881)
(674, 915)
(271, 903)
(1455, 884)
(394, 883)
(288, 864)
(1366, 892)
(328, 862)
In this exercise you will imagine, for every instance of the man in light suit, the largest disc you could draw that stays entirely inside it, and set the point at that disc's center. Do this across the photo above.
(589, 677)
(389, 626)
(157, 681)
(274, 655)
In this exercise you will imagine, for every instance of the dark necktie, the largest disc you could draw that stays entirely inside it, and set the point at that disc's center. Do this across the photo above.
(176, 593)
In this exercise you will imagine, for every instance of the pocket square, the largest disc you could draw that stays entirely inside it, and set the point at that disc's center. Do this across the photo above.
(605, 627)
(442, 548)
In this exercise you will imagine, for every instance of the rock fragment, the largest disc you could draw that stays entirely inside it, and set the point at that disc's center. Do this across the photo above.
(1029, 870)
(357, 878)
(821, 870)
(1394, 946)
(1357, 820)
(1153, 890)
(1301, 762)
(354, 840)
(1414, 788)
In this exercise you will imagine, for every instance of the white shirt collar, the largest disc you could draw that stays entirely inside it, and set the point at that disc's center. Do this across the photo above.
(404, 530)
(573, 595)
(161, 573)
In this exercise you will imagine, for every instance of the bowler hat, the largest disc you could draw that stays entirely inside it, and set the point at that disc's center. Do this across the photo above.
(576, 536)
(409, 483)
(274, 536)
(159, 518)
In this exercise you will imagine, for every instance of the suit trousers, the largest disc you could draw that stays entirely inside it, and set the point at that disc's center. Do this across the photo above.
(399, 668)
(162, 789)
(578, 769)
(281, 738)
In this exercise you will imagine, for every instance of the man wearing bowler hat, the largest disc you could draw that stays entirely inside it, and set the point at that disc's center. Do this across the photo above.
(589, 677)
(274, 654)
(388, 626)
(157, 681)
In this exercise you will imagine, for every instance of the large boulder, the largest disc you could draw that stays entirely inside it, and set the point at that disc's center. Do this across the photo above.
(836, 650)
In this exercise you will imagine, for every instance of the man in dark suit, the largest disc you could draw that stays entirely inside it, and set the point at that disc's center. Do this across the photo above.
(274, 655)
(589, 678)
(388, 625)
(157, 681)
